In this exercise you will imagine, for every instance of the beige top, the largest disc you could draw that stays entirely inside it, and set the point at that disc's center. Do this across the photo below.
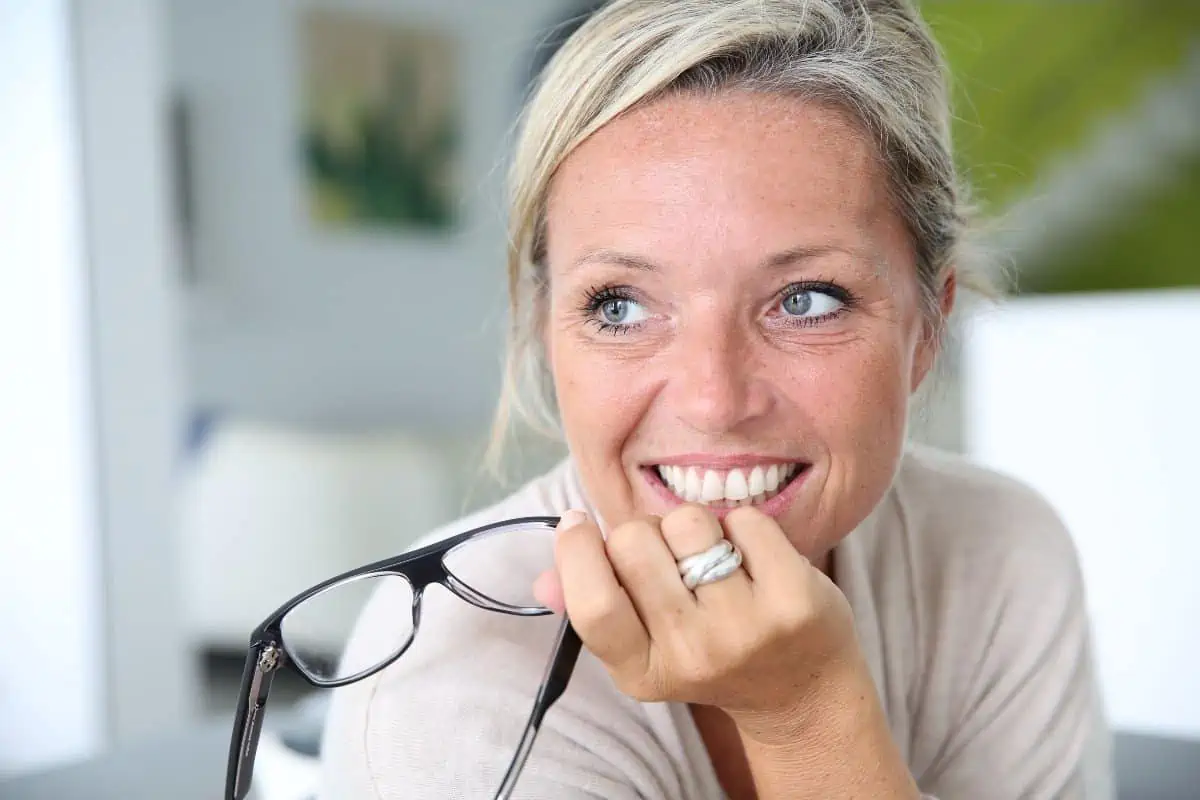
(969, 607)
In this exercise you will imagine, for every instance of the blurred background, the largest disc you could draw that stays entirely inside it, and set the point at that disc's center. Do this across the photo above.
(252, 306)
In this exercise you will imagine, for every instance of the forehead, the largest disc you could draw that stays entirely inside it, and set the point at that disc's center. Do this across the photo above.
(721, 169)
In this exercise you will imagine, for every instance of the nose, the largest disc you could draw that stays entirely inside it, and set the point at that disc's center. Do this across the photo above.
(717, 378)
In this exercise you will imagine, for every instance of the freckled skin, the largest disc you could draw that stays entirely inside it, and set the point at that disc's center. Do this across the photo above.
(708, 189)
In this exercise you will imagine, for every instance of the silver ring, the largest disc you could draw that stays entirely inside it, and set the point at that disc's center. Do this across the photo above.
(714, 564)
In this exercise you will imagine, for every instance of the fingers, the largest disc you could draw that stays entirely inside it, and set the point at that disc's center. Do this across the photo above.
(767, 555)
(692, 529)
(646, 568)
(626, 593)
(600, 609)
(547, 590)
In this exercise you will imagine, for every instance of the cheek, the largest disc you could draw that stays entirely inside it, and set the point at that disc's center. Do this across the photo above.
(856, 404)
(597, 400)
(601, 406)
(858, 398)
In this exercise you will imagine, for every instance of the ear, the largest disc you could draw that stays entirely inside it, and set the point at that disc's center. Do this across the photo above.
(931, 341)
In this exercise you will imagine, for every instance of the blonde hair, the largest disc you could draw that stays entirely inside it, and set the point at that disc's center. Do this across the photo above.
(874, 59)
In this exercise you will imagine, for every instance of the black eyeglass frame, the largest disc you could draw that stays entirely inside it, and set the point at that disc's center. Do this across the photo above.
(420, 568)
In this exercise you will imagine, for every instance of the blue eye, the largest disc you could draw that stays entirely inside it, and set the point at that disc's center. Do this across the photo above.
(810, 303)
(613, 309)
(618, 311)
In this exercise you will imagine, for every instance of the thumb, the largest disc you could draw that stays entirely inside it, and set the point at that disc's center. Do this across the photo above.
(548, 591)
(547, 588)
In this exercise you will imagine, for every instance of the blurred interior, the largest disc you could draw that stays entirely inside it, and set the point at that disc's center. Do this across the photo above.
(252, 301)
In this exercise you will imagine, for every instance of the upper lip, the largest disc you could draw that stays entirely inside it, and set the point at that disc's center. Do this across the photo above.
(721, 461)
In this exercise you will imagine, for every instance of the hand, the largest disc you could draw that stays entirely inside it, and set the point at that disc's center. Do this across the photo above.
(759, 644)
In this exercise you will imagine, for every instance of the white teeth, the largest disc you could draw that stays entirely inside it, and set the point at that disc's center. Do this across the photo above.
(713, 489)
(736, 488)
(735, 485)
(757, 484)
(771, 479)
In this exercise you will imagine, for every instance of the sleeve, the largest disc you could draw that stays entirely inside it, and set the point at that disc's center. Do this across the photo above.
(445, 720)
(1024, 717)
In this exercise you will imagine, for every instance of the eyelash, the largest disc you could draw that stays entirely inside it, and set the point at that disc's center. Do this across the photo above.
(843, 295)
(597, 296)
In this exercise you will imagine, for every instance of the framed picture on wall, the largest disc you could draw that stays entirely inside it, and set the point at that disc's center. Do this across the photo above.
(381, 131)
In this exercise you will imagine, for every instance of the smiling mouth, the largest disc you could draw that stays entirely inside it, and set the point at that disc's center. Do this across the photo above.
(727, 488)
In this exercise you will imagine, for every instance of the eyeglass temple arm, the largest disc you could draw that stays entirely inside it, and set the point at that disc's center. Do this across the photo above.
(558, 673)
(262, 663)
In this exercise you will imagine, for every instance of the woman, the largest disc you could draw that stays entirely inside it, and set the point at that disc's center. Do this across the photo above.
(737, 233)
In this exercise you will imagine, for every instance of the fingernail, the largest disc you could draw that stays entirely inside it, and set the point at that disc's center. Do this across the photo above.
(571, 518)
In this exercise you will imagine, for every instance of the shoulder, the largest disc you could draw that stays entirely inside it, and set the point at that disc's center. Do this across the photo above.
(966, 521)
(994, 580)
(962, 564)
(1001, 629)
(548, 494)
(970, 574)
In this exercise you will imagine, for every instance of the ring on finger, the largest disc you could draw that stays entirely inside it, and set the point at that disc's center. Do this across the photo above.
(716, 563)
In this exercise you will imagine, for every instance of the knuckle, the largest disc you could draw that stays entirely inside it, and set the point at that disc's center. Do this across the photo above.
(596, 610)
(744, 517)
(689, 515)
(572, 540)
(748, 526)
(690, 529)
(634, 565)
(630, 535)
(627, 545)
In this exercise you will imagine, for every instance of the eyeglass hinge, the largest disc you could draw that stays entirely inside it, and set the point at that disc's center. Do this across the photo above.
(269, 659)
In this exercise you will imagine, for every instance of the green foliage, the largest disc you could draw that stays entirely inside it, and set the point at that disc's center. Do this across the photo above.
(1032, 80)
(396, 172)
(1153, 247)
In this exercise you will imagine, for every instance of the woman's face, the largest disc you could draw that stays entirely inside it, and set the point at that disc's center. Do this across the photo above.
(734, 314)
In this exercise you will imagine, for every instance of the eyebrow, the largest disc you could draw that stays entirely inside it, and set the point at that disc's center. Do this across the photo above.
(784, 258)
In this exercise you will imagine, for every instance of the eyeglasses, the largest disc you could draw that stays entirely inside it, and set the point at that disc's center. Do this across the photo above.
(477, 566)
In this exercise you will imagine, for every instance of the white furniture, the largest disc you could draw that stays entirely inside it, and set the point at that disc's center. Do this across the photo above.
(268, 511)
(1095, 401)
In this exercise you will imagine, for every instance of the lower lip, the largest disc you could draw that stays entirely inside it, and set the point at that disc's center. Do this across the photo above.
(775, 507)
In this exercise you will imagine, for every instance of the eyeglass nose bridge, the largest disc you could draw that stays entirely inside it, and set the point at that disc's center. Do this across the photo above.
(480, 600)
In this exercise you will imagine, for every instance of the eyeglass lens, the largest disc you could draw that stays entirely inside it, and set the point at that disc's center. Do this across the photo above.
(500, 566)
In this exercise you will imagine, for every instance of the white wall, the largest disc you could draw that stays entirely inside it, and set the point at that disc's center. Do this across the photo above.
(139, 399)
(296, 324)
(1095, 401)
(52, 703)
(93, 651)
